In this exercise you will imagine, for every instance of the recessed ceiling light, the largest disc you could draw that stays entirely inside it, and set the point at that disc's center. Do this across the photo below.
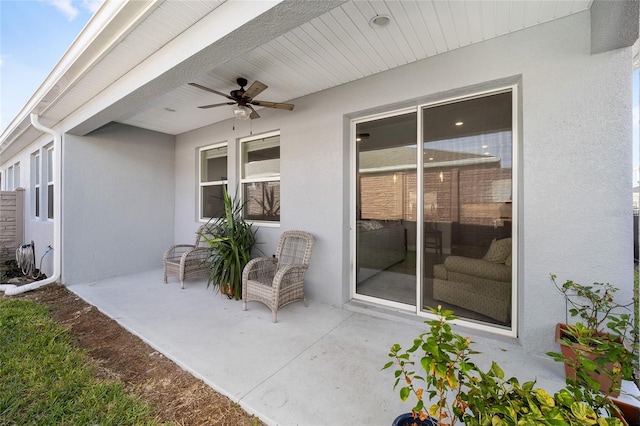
(430, 158)
(361, 136)
(459, 123)
(379, 21)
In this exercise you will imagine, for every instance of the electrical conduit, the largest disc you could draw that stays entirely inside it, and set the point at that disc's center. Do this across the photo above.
(11, 289)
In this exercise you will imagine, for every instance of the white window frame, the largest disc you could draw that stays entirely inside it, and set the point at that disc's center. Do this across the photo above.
(10, 178)
(243, 180)
(50, 181)
(201, 184)
(516, 280)
(13, 176)
(36, 198)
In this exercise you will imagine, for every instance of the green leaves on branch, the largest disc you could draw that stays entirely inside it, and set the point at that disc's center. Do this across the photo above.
(451, 388)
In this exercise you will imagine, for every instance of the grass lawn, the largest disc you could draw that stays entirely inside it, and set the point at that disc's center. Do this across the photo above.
(44, 380)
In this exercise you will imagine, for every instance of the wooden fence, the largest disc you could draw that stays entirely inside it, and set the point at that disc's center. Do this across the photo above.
(11, 223)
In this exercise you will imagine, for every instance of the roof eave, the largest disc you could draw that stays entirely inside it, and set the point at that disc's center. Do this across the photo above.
(108, 25)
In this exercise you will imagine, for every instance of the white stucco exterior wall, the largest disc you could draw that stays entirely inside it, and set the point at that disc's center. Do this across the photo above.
(36, 229)
(119, 201)
(575, 181)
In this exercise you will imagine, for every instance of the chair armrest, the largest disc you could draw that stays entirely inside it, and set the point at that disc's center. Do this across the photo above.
(175, 252)
(196, 253)
(259, 267)
(289, 274)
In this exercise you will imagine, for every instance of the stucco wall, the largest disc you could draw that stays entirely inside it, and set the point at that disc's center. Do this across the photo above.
(39, 230)
(574, 174)
(119, 198)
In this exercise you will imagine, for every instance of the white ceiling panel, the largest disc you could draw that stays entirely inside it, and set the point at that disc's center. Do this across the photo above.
(340, 46)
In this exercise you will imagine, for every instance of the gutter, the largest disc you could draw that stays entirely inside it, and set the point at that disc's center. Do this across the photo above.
(12, 289)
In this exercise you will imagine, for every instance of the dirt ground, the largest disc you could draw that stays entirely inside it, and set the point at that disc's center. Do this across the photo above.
(174, 394)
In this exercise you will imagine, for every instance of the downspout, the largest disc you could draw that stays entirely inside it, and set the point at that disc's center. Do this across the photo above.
(11, 289)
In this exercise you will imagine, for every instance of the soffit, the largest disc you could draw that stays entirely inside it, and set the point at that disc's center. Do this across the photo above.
(340, 46)
(118, 51)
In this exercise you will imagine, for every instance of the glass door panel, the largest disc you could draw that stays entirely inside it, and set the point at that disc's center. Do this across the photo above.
(467, 193)
(386, 185)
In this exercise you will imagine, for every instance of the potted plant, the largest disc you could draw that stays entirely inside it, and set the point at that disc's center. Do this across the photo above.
(593, 349)
(447, 372)
(450, 388)
(230, 239)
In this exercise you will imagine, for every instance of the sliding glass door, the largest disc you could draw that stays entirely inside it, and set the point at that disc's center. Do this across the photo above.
(386, 192)
(434, 227)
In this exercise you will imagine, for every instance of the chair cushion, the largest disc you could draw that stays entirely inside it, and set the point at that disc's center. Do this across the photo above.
(477, 268)
(499, 251)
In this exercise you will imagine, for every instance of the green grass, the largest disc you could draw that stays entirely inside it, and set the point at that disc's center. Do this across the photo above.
(44, 380)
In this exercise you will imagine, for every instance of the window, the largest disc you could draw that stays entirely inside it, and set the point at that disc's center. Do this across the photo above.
(260, 179)
(13, 177)
(50, 167)
(35, 167)
(10, 178)
(213, 175)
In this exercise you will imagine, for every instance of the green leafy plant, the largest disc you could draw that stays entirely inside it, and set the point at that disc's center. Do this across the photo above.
(594, 348)
(444, 358)
(231, 240)
(437, 370)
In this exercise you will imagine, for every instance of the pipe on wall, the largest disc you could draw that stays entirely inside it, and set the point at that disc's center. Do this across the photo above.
(11, 289)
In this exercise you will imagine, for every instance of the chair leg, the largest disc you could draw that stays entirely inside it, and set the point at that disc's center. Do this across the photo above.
(182, 284)
(244, 305)
(304, 299)
(274, 316)
(165, 277)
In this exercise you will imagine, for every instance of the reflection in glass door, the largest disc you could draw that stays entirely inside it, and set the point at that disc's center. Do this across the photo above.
(467, 155)
(445, 211)
(386, 190)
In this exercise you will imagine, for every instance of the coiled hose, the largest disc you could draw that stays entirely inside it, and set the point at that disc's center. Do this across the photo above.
(26, 259)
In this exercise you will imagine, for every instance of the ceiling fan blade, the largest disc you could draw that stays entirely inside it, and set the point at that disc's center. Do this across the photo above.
(253, 114)
(255, 89)
(276, 105)
(216, 105)
(211, 90)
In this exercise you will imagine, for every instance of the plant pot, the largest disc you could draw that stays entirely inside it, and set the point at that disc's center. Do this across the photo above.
(407, 419)
(227, 290)
(629, 414)
(570, 352)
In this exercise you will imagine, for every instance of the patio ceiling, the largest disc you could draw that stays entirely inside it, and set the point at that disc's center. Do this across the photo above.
(317, 46)
(340, 46)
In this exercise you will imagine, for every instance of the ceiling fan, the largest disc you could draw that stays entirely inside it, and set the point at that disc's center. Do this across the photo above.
(243, 99)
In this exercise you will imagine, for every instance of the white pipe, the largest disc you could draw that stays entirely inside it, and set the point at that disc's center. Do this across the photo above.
(11, 289)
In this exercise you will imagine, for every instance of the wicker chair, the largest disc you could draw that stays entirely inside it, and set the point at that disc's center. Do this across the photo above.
(280, 280)
(187, 260)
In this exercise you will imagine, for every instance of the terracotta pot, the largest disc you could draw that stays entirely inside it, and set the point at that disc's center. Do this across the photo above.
(630, 413)
(569, 351)
(227, 290)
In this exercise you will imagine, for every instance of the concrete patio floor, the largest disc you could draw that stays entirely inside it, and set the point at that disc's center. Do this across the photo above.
(319, 365)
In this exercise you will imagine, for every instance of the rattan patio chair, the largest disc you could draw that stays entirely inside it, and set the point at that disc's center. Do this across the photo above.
(187, 260)
(280, 280)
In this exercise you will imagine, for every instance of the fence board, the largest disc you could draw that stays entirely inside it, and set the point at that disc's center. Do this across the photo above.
(11, 222)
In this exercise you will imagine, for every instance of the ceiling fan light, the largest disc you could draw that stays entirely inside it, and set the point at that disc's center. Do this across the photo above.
(241, 112)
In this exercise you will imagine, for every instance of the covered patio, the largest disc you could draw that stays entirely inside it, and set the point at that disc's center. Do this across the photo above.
(319, 365)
